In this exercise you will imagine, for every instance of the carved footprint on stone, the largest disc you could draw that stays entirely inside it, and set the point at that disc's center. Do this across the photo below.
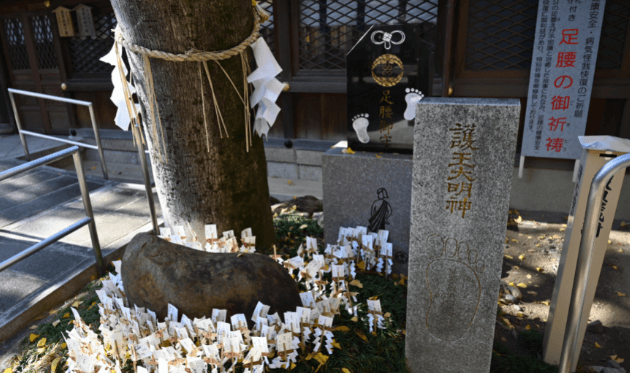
(360, 124)
(455, 291)
(413, 97)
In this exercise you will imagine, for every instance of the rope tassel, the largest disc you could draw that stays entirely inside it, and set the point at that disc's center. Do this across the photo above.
(264, 16)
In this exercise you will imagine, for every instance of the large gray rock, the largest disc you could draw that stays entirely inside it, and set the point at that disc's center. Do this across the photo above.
(156, 272)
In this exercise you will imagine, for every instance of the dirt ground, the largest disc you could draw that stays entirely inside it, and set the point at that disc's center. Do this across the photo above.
(540, 237)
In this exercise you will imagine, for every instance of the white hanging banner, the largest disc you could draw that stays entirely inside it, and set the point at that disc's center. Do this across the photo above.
(561, 77)
(266, 87)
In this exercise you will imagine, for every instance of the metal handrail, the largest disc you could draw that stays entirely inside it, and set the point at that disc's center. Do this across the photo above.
(570, 350)
(22, 132)
(89, 220)
(141, 150)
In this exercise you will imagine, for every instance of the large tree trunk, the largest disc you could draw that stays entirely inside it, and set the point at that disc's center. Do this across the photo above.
(226, 185)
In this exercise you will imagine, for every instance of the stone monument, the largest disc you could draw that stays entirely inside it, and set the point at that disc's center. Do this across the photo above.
(357, 185)
(597, 151)
(462, 172)
(387, 74)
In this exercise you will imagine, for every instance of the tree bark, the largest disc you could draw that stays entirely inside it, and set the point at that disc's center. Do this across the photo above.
(224, 184)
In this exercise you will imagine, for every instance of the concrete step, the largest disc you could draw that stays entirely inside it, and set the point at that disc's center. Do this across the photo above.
(118, 172)
(32, 192)
(25, 180)
(44, 202)
(59, 271)
(286, 189)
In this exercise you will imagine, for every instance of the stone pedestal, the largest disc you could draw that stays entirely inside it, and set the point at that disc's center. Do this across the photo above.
(351, 185)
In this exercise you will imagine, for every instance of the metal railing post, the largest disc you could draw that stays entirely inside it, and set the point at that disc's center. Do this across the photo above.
(97, 137)
(147, 181)
(585, 258)
(19, 126)
(88, 211)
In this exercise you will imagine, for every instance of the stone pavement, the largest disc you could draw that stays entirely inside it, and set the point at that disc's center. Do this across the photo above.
(11, 147)
(41, 202)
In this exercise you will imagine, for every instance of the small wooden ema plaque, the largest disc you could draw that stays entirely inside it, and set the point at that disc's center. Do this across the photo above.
(85, 21)
(64, 22)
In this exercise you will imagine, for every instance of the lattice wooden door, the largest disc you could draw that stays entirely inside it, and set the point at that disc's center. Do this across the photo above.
(32, 62)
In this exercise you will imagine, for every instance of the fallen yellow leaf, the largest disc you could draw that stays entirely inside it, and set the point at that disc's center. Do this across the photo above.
(621, 294)
(541, 237)
(377, 156)
(66, 315)
(508, 256)
(41, 342)
(361, 335)
(33, 337)
(342, 328)
(374, 297)
(609, 242)
(521, 257)
(503, 339)
(356, 283)
(33, 327)
(545, 302)
(521, 285)
(336, 345)
(619, 360)
(514, 240)
(76, 304)
(597, 345)
(63, 345)
(623, 224)
(506, 322)
(361, 265)
(345, 370)
(9, 370)
(355, 319)
(539, 269)
(528, 327)
(303, 226)
(321, 358)
(615, 267)
(529, 276)
(516, 267)
(54, 364)
(56, 323)
(387, 315)
(348, 151)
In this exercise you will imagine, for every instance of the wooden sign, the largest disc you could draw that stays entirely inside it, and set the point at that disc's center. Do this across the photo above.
(85, 21)
(64, 22)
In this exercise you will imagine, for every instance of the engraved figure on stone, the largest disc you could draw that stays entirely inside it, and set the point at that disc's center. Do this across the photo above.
(454, 286)
(380, 212)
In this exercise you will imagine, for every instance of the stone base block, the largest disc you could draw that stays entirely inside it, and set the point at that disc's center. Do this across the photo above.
(351, 196)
